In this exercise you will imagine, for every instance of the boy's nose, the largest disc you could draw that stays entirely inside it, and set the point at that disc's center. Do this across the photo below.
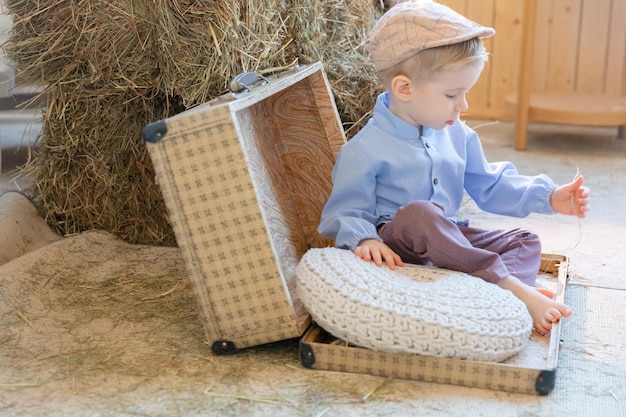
(461, 106)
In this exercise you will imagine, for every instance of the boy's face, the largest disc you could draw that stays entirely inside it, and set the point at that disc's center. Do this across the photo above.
(439, 102)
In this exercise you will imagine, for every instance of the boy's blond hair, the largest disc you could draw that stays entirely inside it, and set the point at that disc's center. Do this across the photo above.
(425, 65)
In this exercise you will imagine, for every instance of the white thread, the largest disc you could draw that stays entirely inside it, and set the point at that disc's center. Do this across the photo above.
(576, 213)
(495, 122)
(413, 309)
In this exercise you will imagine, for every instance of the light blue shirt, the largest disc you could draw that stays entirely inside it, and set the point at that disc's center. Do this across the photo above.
(388, 164)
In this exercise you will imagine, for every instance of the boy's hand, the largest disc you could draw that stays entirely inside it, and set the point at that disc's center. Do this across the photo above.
(377, 251)
(572, 198)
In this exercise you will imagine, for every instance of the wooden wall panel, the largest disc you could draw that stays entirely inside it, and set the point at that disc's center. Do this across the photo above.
(593, 46)
(580, 45)
(615, 82)
(542, 44)
(480, 99)
(458, 5)
(563, 45)
(505, 52)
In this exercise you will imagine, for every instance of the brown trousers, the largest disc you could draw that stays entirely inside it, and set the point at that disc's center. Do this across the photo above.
(421, 234)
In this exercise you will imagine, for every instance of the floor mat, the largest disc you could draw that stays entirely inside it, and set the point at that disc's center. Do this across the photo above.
(591, 376)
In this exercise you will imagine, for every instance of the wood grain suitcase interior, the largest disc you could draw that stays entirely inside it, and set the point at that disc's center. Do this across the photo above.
(532, 371)
(244, 179)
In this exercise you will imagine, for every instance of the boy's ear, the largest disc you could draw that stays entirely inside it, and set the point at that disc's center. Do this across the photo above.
(401, 87)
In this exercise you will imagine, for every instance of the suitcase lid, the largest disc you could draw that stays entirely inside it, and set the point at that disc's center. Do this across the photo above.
(245, 178)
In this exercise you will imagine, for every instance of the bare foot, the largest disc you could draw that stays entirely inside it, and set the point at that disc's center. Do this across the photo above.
(543, 310)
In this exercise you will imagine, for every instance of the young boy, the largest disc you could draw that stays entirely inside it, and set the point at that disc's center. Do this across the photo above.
(398, 184)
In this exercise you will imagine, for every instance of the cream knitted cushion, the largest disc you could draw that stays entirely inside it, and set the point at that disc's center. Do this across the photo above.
(414, 309)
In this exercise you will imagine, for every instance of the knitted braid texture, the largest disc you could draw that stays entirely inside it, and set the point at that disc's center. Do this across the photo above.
(413, 309)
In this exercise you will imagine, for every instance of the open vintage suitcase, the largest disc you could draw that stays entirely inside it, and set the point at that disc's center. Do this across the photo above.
(244, 178)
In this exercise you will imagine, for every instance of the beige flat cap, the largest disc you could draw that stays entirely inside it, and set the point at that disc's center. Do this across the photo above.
(413, 26)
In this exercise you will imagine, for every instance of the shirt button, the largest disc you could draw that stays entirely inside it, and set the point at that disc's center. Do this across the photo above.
(427, 144)
(436, 181)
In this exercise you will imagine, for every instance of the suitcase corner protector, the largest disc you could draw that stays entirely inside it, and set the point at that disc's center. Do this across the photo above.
(544, 384)
(223, 347)
(154, 132)
(307, 356)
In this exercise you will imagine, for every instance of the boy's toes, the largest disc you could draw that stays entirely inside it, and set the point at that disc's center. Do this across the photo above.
(553, 315)
(544, 327)
(565, 311)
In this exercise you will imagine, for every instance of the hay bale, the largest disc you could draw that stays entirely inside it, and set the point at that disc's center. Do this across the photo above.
(110, 68)
(338, 39)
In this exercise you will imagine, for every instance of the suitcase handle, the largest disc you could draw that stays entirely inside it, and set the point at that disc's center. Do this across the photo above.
(246, 81)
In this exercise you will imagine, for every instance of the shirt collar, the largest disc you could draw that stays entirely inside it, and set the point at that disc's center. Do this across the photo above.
(392, 124)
